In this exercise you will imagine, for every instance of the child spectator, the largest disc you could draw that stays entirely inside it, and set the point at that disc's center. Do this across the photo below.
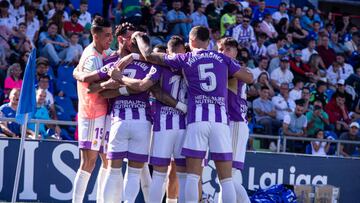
(319, 148)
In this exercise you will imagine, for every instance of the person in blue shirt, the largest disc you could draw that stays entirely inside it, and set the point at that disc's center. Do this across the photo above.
(8, 110)
(260, 12)
(179, 23)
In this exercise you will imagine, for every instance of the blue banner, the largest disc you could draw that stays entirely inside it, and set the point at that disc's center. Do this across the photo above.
(50, 168)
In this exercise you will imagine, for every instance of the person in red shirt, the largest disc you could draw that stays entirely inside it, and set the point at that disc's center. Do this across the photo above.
(301, 70)
(73, 25)
(338, 112)
(327, 54)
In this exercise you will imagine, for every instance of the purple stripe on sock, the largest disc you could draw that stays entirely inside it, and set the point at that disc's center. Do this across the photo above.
(116, 155)
(137, 157)
(156, 161)
(180, 162)
(238, 165)
(84, 144)
(193, 153)
(221, 156)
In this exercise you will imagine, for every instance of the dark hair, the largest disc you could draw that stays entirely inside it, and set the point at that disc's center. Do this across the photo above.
(174, 42)
(44, 77)
(280, 37)
(4, 4)
(261, 35)
(161, 48)
(73, 33)
(267, 15)
(84, 2)
(339, 94)
(22, 23)
(200, 33)
(75, 12)
(50, 23)
(317, 131)
(228, 41)
(98, 24)
(261, 74)
(320, 83)
(30, 8)
(123, 28)
(264, 87)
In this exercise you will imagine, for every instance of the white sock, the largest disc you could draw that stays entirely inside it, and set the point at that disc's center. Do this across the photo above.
(168, 200)
(182, 182)
(241, 194)
(158, 181)
(80, 184)
(100, 185)
(228, 190)
(191, 188)
(132, 184)
(145, 181)
(113, 185)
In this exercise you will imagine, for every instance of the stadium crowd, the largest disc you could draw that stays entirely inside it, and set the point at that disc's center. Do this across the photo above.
(305, 63)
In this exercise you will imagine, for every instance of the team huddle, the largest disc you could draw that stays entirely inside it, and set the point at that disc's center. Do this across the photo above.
(162, 107)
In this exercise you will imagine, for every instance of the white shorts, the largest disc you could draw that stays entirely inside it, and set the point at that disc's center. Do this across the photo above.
(107, 133)
(204, 135)
(239, 134)
(167, 144)
(91, 133)
(129, 139)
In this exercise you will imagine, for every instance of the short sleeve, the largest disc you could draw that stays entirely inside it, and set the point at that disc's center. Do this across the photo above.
(305, 123)
(103, 71)
(91, 63)
(154, 73)
(174, 61)
(233, 67)
(287, 119)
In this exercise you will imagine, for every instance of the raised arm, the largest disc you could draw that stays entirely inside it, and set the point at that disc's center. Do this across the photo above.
(145, 49)
(244, 75)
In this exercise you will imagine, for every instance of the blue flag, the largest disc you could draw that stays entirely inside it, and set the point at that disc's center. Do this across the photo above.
(27, 102)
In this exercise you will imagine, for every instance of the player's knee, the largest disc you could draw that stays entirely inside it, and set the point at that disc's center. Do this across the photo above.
(89, 164)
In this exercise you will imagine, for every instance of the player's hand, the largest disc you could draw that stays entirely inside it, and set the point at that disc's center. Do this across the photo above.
(115, 74)
(93, 88)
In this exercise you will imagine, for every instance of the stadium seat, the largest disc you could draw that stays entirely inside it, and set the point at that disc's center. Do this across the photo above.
(62, 114)
(65, 73)
(308, 149)
(66, 105)
(68, 88)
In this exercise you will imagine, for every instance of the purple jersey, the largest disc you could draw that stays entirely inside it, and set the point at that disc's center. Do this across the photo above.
(237, 100)
(135, 106)
(166, 117)
(206, 74)
(108, 64)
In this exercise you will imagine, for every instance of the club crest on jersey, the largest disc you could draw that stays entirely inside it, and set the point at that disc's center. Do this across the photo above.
(152, 70)
(95, 142)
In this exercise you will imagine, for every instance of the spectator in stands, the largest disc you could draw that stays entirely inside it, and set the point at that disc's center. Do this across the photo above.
(19, 41)
(85, 16)
(73, 57)
(333, 75)
(39, 13)
(33, 25)
(261, 81)
(341, 88)
(52, 45)
(43, 83)
(214, 37)
(317, 119)
(59, 6)
(244, 33)
(261, 11)
(179, 23)
(300, 69)
(282, 27)
(42, 113)
(338, 47)
(198, 17)
(17, 9)
(262, 68)
(5, 18)
(348, 150)
(305, 95)
(273, 49)
(295, 93)
(352, 44)
(345, 69)
(338, 113)
(42, 69)
(58, 18)
(267, 27)
(73, 26)
(319, 93)
(299, 34)
(295, 124)
(13, 79)
(281, 74)
(228, 19)
(309, 50)
(307, 20)
(213, 17)
(258, 49)
(283, 104)
(157, 29)
(325, 51)
(8, 110)
(319, 148)
(317, 67)
(281, 13)
(265, 113)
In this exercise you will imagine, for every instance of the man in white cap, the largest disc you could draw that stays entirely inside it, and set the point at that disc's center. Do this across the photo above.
(347, 150)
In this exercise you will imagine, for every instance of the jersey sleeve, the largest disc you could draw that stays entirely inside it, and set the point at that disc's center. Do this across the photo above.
(233, 67)
(91, 64)
(154, 73)
(175, 61)
(103, 71)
